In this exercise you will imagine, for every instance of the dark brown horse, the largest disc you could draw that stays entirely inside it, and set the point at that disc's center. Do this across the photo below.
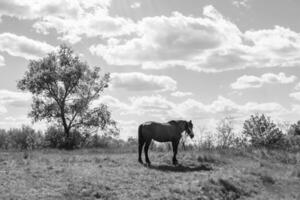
(162, 132)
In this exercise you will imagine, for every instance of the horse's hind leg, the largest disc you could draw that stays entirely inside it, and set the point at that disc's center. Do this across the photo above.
(146, 152)
(141, 144)
(175, 147)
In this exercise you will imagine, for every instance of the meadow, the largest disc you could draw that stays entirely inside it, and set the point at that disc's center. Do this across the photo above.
(115, 174)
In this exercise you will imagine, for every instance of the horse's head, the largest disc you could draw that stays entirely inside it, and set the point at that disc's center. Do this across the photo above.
(189, 128)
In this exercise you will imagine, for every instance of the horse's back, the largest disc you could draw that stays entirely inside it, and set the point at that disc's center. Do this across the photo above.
(156, 125)
(158, 131)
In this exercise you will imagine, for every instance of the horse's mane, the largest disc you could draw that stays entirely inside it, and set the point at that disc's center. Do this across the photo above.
(174, 122)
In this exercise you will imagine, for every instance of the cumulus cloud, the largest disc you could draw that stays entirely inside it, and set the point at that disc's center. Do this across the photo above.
(295, 95)
(2, 61)
(89, 25)
(210, 43)
(31, 9)
(70, 18)
(297, 86)
(181, 94)
(248, 81)
(35, 9)
(112, 102)
(135, 5)
(16, 99)
(128, 129)
(22, 46)
(164, 109)
(152, 105)
(224, 107)
(18, 121)
(2, 109)
(160, 108)
(136, 81)
(240, 3)
(163, 41)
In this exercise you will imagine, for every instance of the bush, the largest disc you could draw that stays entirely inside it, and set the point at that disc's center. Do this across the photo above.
(55, 138)
(23, 138)
(226, 136)
(3, 139)
(262, 131)
(294, 129)
(97, 141)
(290, 143)
(103, 141)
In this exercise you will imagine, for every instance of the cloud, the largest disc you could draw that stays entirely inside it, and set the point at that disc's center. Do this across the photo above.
(16, 99)
(163, 109)
(248, 81)
(136, 81)
(153, 105)
(163, 41)
(181, 94)
(71, 19)
(2, 61)
(241, 3)
(210, 43)
(135, 5)
(157, 107)
(18, 121)
(35, 9)
(112, 102)
(295, 95)
(128, 129)
(22, 46)
(91, 20)
(13, 99)
(297, 86)
(89, 25)
(222, 106)
(2, 109)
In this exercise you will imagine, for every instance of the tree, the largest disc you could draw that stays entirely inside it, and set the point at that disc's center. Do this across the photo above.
(262, 131)
(63, 89)
(225, 132)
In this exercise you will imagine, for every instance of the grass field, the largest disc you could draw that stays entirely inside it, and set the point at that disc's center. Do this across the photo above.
(98, 174)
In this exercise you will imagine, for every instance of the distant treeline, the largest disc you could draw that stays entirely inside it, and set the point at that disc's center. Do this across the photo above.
(258, 131)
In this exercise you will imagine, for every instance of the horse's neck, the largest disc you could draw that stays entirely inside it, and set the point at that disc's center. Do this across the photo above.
(182, 124)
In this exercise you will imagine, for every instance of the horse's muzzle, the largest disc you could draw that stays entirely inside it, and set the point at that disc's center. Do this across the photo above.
(192, 136)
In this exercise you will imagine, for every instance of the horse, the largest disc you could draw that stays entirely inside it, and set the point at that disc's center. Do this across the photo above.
(162, 132)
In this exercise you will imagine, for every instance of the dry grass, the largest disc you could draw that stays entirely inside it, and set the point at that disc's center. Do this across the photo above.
(100, 174)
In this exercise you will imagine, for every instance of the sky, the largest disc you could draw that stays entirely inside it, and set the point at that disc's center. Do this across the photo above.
(168, 59)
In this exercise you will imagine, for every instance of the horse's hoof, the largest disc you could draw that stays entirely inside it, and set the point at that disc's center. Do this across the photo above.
(140, 161)
(148, 164)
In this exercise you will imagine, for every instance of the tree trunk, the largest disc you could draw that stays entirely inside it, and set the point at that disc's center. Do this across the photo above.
(68, 139)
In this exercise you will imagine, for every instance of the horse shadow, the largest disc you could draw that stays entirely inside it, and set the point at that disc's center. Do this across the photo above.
(180, 168)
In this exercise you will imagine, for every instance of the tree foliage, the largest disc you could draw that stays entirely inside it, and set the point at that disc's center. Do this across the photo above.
(64, 89)
(224, 129)
(24, 138)
(294, 129)
(262, 131)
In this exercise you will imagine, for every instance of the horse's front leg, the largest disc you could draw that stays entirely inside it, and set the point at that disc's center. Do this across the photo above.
(146, 152)
(141, 144)
(175, 147)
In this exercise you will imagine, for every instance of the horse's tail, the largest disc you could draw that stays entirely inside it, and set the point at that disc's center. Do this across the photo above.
(140, 136)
